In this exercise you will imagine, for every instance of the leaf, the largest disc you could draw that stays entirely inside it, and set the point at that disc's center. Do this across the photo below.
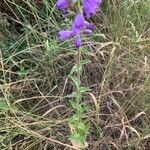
(78, 141)
(74, 119)
(3, 106)
(83, 62)
(84, 89)
(77, 137)
(71, 95)
(81, 128)
(76, 81)
(79, 107)
(75, 69)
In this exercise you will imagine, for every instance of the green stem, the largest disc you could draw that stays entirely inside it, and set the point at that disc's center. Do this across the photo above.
(78, 59)
(78, 63)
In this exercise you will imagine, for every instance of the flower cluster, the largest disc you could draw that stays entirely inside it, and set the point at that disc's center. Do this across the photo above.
(80, 25)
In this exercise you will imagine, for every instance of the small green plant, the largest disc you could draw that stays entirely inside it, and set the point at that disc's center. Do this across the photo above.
(79, 126)
(80, 26)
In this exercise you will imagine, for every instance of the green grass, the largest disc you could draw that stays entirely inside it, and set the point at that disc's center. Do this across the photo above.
(35, 88)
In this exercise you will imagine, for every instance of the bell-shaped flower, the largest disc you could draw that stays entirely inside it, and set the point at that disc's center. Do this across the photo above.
(62, 4)
(90, 7)
(90, 26)
(79, 25)
(78, 42)
(64, 35)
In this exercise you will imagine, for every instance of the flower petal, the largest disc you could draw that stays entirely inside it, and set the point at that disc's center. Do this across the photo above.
(90, 7)
(90, 26)
(64, 34)
(62, 4)
(77, 42)
(78, 24)
(87, 31)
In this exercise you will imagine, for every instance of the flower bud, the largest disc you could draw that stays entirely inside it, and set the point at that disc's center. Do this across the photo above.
(62, 4)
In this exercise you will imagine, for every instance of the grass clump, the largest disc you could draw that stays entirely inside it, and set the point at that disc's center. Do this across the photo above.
(35, 86)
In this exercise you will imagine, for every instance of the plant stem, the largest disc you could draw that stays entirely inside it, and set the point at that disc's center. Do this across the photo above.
(78, 59)
(78, 98)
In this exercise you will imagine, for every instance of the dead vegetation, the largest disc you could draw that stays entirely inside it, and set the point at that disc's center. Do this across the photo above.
(35, 88)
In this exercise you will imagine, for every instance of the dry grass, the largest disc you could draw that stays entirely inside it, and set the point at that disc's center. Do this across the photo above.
(35, 88)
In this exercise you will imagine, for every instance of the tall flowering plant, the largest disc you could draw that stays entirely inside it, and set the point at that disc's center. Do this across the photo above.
(84, 9)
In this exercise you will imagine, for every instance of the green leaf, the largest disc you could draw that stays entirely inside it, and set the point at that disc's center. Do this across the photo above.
(75, 69)
(76, 81)
(84, 89)
(3, 106)
(83, 62)
(72, 95)
(74, 120)
(22, 72)
(81, 128)
(77, 138)
(78, 107)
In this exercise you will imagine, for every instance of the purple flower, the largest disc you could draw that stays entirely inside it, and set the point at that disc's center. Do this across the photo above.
(90, 7)
(62, 4)
(78, 42)
(87, 31)
(79, 25)
(90, 26)
(79, 21)
(64, 35)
